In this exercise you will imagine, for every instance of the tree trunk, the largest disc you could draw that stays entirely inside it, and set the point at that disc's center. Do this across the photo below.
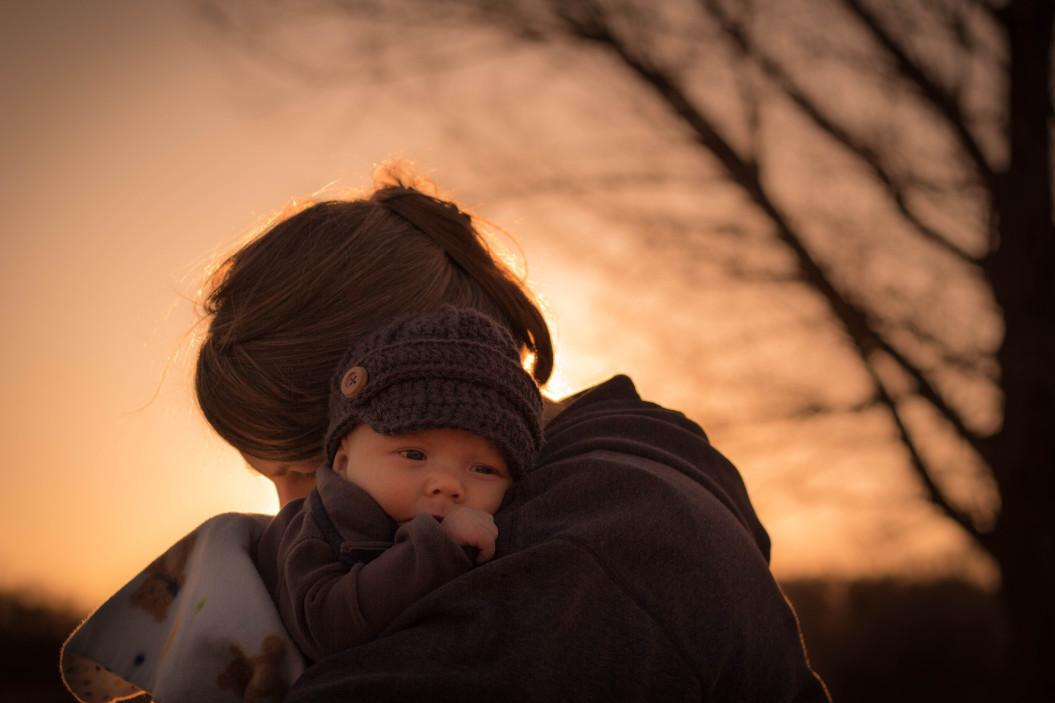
(1022, 271)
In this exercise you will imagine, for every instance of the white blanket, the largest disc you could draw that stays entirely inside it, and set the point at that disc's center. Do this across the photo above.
(196, 625)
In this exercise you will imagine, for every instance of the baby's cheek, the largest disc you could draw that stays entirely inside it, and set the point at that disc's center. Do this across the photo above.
(404, 499)
(494, 500)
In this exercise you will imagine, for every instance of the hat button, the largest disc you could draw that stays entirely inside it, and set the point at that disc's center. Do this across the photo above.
(353, 381)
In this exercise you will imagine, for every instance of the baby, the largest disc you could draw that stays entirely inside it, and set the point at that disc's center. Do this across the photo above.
(431, 419)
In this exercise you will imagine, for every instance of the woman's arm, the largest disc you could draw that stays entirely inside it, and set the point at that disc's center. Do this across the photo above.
(630, 566)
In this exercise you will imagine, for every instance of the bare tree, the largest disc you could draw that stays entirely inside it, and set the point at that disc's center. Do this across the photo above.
(899, 154)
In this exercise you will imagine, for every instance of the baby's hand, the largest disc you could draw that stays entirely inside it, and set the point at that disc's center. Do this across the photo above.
(472, 527)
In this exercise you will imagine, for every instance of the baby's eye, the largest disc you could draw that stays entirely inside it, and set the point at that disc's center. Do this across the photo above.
(481, 469)
(413, 454)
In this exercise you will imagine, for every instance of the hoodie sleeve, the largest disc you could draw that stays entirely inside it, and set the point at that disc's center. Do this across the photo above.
(630, 566)
(329, 605)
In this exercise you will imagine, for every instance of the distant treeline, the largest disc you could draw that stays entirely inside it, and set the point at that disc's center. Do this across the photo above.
(870, 641)
(31, 633)
(893, 640)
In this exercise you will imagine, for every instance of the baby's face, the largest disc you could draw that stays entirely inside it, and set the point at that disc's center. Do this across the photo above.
(424, 472)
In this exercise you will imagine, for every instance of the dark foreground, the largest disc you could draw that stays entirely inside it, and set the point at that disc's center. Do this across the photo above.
(869, 640)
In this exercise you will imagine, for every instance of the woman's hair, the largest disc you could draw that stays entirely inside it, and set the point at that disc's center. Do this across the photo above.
(284, 308)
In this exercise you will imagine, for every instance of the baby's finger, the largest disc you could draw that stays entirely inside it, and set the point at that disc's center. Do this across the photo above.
(487, 551)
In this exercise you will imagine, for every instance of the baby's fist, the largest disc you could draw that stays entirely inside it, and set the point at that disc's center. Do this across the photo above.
(474, 528)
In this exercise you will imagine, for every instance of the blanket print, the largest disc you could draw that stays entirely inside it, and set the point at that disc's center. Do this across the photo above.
(196, 625)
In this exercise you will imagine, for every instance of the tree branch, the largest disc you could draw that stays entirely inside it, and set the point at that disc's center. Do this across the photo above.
(926, 390)
(989, 8)
(862, 333)
(935, 96)
(916, 461)
(812, 110)
(925, 387)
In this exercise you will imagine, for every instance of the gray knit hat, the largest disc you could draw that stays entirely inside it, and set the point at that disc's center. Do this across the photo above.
(448, 369)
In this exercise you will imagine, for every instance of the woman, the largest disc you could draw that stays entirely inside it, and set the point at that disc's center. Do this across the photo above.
(629, 565)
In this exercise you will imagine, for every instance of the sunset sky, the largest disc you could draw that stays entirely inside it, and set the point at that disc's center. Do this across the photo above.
(134, 149)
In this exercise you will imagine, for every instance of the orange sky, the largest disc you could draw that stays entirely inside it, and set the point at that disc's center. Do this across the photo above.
(124, 167)
(129, 157)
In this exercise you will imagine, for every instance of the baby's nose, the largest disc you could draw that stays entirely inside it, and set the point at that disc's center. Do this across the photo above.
(445, 485)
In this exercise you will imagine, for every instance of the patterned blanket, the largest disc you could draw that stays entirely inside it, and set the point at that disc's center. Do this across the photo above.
(196, 625)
